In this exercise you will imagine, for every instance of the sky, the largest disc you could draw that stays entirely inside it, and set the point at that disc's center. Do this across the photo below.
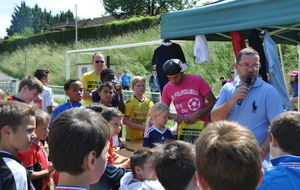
(85, 9)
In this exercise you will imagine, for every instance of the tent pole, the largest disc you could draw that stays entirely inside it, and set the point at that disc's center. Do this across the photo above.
(298, 47)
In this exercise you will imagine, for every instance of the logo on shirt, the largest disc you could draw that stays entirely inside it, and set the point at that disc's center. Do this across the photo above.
(184, 92)
(254, 106)
(194, 104)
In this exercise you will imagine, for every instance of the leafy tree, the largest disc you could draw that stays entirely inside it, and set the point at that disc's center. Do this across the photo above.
(63, 16)
(41, 20)
(34, 20)
(145, 7)
(21, 18)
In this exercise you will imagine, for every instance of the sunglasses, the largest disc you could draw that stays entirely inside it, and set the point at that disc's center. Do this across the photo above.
(99, 61)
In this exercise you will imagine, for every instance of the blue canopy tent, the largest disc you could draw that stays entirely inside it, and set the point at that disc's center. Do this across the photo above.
(215, 21)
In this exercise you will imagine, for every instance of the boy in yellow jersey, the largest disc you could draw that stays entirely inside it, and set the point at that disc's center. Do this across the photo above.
(136, 110)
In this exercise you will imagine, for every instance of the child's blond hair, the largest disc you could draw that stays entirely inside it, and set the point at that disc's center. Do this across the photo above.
(2, 94)
(41, 117)
(156, 109)
(137, 79)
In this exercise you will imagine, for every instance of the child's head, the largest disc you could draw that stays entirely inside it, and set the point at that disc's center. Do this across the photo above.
(74, 89)
(115, 119)
(158, 114)
(174, 164)
(43, 75)
(228, 157)
(107, 75)
(106, 91)
(2, 94)
(96, 106)
(29, 89)
(141, 164)
(285, 134)
(138, 84)
(42, 123)
(17, 125)
(78, 142)
(294, 76)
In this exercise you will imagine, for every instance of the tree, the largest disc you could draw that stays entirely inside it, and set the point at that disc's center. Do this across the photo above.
(21, 18)
(34, 20)
(41, 20)
(145, 7)
(63, 16)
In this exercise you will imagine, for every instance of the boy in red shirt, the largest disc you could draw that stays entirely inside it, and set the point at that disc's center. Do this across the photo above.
(35, 160)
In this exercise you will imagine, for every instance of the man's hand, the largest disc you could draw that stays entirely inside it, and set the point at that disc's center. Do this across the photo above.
(240, 93)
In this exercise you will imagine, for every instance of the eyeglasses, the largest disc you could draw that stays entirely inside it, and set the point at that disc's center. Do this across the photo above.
(255, 67)
(99, 61)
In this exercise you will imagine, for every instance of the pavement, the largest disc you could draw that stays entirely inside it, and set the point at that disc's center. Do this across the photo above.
(4, 76)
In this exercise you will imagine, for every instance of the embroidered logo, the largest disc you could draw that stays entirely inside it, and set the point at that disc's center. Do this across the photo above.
(254, 107)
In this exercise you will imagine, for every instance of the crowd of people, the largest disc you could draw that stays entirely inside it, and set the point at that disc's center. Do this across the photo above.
(223, 143)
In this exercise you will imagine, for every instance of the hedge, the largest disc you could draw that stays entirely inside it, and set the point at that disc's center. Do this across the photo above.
(90, 32)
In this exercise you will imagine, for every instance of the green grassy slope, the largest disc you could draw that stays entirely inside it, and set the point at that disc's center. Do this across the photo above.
(53, 57)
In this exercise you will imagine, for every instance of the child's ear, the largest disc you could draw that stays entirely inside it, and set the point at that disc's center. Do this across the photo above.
(261, 176)
(99, 92)
(6, 131)
(24, 89)
(195, 181)
(138, 170)
(90, 160)
(201, 181)
(67, 92)
(273, 141)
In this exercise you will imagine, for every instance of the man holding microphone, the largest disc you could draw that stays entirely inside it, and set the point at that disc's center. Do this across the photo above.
(260, 103)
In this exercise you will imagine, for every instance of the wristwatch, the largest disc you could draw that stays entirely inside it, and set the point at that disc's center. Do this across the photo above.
(262, 152)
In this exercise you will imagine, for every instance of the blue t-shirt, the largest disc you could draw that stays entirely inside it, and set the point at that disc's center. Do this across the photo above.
(285, 174)
(63, 107)
(295, 88)
(153, 135)
(126, 80)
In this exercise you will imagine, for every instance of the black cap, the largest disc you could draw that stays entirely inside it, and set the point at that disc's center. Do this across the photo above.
(174, 66)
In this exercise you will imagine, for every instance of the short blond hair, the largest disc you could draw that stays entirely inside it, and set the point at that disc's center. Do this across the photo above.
(2, 94)
(137, 79)
(41, 117)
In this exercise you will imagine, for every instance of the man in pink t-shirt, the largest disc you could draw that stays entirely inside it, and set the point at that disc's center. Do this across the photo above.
(188, 93)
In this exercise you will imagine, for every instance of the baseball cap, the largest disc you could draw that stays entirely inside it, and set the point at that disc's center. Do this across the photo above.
(294, 73)
(174, 66)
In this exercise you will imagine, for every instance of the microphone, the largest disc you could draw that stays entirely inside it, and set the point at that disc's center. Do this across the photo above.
(247, 84)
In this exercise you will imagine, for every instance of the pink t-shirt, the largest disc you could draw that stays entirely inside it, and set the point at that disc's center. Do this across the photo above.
(188, 96)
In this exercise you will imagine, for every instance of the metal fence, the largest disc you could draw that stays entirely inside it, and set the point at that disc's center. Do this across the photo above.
(9, 86)
(59, 93)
